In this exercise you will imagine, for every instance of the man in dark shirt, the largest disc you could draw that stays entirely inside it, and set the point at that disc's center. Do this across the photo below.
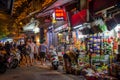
(7, 47)
(21, 49)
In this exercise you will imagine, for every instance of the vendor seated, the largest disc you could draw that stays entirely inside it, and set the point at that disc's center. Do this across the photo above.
(69, 57)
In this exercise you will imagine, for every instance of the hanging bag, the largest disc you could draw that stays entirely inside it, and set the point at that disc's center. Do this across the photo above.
(28, 50)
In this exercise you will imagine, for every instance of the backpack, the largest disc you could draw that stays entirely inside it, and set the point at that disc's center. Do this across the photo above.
(28, 50)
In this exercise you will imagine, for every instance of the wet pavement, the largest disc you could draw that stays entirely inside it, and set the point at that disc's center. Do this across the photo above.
(37, 72)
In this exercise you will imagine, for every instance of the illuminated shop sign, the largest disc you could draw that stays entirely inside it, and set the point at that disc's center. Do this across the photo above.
(60, 14)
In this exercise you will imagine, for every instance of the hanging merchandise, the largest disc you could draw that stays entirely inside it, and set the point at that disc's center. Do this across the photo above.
(99, 48)
(107, 47)
(102, 25)
(77, 44)
(99, 26)
(94, 43)
(74, 36)
(115, 46)
(111, 23)
(100, 56)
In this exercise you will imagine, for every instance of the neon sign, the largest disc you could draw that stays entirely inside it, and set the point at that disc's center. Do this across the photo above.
(60, 14)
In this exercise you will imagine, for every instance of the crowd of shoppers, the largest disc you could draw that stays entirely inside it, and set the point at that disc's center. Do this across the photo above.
(30, 52)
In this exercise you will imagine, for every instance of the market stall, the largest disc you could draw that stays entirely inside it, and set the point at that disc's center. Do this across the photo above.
(96, 54)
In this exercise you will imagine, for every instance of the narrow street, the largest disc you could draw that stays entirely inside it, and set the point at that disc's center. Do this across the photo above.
(37, 73)
(82, 37)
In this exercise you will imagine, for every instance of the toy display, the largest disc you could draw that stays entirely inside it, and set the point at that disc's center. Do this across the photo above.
(95, 56)
(94, 43)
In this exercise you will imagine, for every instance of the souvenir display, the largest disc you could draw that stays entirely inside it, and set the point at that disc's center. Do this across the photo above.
(95, 57)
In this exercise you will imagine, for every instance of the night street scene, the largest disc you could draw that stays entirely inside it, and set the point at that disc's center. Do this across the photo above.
(59, 39)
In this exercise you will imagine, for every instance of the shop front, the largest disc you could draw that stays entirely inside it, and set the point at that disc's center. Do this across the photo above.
(98, 49)
(31, 30)
(97, 45)
(102, 52)
(62, 36)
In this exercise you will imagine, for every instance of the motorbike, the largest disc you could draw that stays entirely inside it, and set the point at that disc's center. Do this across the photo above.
(54, 59)
(14, 59)
(3, 66)
(9, 61)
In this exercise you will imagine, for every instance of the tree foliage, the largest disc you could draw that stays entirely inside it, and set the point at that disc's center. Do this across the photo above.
(4, 24)
(3, 30)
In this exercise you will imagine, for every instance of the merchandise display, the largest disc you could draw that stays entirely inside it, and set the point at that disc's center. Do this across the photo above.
(94, 43)
(96, 56)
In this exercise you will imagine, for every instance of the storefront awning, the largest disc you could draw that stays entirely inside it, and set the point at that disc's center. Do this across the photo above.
(50, 9)
(32, 26)
(79, 18)
(29, 27)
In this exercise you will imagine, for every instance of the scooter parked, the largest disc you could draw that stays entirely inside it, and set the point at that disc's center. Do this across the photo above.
(54, 59)
(13, 59)
(3, 66)
(9, 61)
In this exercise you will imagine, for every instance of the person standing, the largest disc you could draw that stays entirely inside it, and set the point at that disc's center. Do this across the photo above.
(36, 52)
(27, 53)
(20, 48)
(32, 45)
(7, 47)
(42, 52)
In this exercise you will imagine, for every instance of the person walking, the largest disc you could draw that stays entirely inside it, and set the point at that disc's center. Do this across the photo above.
(43, 49)
(27, 53)
(20, 48)
(36, 52)
(7, 47)
(32, 45)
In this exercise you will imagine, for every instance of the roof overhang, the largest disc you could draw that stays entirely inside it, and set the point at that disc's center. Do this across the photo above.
(49, 10)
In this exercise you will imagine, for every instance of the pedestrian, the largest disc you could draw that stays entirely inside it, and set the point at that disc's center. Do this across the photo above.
(32, 45)
(20, 48)
(51, 51)
(7, 47)
(43, 49)
(27, 52)
(36, 52)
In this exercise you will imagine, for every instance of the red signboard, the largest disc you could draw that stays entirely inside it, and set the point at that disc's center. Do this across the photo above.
(60, 14)
(79, 18)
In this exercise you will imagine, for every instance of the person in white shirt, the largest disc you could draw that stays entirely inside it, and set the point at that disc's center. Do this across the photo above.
(36, 52)
(32, 45)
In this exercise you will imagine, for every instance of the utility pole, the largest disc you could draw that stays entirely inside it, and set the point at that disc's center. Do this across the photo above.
(69, 27)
